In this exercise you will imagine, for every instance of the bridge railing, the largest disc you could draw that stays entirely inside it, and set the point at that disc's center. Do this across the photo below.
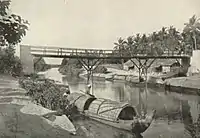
(70, 51)
(97, 52)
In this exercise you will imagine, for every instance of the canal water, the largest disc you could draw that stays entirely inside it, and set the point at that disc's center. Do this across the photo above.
(176, 114)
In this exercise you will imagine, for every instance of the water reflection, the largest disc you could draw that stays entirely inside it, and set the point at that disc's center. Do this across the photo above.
(191, 125)
(171, 109)
(178, 115)
(119, 91)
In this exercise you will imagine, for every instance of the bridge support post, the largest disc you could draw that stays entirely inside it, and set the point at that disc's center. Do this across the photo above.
(26, 59)
(90, 67)
(143, 68)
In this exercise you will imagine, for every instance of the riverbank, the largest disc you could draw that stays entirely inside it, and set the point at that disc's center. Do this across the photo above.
(13, 123)
(187, 85)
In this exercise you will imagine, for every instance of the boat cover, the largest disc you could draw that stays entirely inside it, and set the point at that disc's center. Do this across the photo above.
(112, 110)
(79, 100)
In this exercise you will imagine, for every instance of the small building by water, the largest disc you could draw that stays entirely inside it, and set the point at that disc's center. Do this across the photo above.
(159, 66)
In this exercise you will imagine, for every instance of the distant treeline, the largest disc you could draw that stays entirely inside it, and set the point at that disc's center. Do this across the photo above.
(166, 39)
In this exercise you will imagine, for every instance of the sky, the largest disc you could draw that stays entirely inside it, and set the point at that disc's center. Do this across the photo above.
(98, 23)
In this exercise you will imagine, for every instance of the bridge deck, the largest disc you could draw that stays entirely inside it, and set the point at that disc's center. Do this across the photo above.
(56, 52)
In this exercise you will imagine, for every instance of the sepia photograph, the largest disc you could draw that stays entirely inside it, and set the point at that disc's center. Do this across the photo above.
(99, 68)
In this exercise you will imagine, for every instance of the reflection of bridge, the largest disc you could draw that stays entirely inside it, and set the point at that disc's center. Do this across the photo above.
(86, 55)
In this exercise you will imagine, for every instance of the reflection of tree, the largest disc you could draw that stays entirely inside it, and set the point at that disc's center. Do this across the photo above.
(192, 128)
(141, 105)
(168, 107)
(119, 90)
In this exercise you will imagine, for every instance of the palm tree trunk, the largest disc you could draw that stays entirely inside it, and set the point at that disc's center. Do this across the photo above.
(195, 42)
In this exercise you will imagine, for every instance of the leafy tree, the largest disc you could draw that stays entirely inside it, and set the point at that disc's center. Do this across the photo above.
(143, 44)
(120, 45)
(155, 44)
(12, 26)
(162, 36)
(120, 48)
(9, 63)
(173, 39)
(192, 30)
(136, 45)
(12, 30)
(130, 44)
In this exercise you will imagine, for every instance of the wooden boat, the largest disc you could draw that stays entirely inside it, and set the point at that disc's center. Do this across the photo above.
(116, 114)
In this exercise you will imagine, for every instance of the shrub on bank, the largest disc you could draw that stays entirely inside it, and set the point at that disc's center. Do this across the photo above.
(46, 93)
(9, 63)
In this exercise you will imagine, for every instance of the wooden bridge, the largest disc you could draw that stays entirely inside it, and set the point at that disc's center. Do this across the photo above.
(85, 56)
(56, 52)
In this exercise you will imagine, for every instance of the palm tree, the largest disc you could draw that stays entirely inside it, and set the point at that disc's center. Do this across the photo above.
(120, 44)
(186, 43)
(162, 34)
(120, 47)
(144, 42)
(137, 43)
(153, 43)
(129, 44)
(174, 38)
(193, 28)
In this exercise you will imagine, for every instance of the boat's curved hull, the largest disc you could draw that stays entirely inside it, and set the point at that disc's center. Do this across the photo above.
(127, 125)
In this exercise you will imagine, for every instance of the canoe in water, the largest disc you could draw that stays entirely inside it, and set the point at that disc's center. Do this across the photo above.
(116, 114)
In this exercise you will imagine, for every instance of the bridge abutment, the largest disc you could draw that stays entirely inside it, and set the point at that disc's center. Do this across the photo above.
(185, 62)
(195, 59)
(26, 59)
